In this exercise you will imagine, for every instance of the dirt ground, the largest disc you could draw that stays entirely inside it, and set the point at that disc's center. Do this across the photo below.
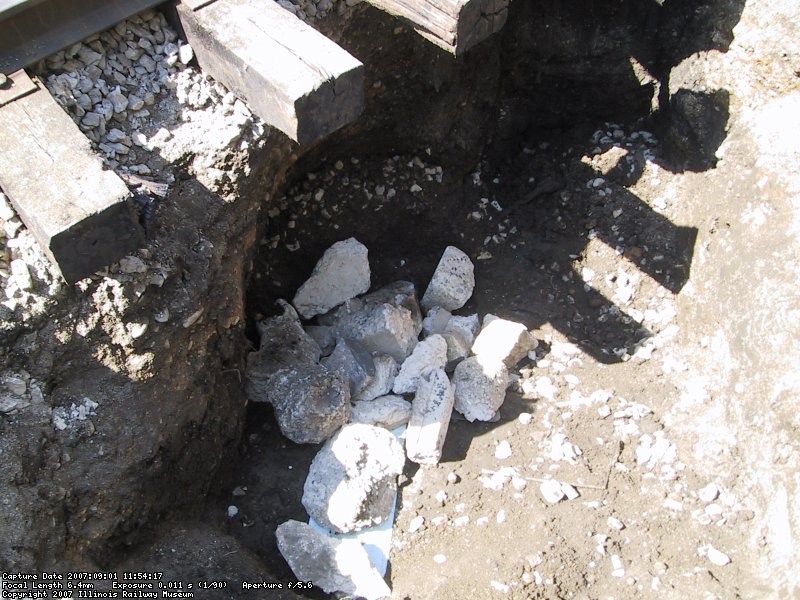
(652, 258)
(662, 388)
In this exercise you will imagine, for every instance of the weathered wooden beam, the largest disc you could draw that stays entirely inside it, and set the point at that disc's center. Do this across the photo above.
(455, 25)
(291, 75)
(79, 212)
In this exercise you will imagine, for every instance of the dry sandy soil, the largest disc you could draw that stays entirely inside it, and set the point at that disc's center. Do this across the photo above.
(660, 283)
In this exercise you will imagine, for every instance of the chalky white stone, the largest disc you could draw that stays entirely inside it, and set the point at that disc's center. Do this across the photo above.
(452, 283)
(430, 417)
(504, 340)
(341, 274)
(480, 387)
(429, 353)
(388, 412)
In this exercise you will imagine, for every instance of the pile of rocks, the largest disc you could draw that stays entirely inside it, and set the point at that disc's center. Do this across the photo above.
(311, 10)
(361, 361)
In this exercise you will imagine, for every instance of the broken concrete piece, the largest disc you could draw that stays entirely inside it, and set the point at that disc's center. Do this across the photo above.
(341, 274)
(333, 564)
(435, 321)
(430, 418)
(467, 327)
(457, 349)
(383, 329)
(504, 340)
(382, 381)
(324, 335)
(284, 344)
(452, 283)
(310, 402)
(353, 362)
(480, 387)
(389, 412)
(401, 294)
(352, 480)
(429, 353)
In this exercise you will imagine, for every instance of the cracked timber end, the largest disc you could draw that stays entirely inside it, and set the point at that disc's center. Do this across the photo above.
(455, 25)
(79, 212)
(291, 75)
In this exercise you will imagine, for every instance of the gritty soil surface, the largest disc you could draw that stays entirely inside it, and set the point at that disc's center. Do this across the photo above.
(655, 268)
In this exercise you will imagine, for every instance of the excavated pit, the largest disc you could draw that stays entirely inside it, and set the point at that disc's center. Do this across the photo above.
(538, 153)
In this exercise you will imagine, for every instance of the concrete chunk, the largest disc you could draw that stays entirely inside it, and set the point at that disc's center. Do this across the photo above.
(383, 329)
(310, 402)
(341, 274)
(385, 371)
(503, 340)
(402, 294)
(435, 321)
(79, 212)
(452, 283)
(430, 418)
(284, 344)
(354, 363)
(480, 387)
(333, 564)
(292, 76)
(388, 412)
(429, 353)
(352, 480)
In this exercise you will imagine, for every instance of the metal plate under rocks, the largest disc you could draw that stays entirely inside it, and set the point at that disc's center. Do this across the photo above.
(17, 84)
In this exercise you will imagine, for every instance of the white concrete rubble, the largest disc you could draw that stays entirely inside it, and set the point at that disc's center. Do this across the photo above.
(284, 344)
(353, 362)
(480, 387)
(504, 340)
(430, 417)
(429, 353)
(310, 402)
(452, 283)
(388, 412)
(352, 480)
(341, 274)
(383, 329)
(332, 564)
(466, 327)
(386, 369)
(435, 321)
(401, 294)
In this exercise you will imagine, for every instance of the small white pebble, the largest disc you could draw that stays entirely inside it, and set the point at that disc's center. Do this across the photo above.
(441, 497)
(501, 516)
(551, 491)
(615, 523)
(440, 559)
(709, 493)
(525, 418)
(503, 450)
(500, 587)
(461, 521)
(232, 511)
(717, 557)
(416, 523)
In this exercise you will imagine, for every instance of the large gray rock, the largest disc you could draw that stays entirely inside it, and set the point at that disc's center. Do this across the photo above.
(480, 387)
(385, 371)
(401, 294)
(388, 412)
(353, 362)
(310, 402)
(352, 480)
(452, 283)
(383, 329)
(333, 564)
(430, 418)
(504, 340)
(341, 274)
(429, 353)
(284, 345)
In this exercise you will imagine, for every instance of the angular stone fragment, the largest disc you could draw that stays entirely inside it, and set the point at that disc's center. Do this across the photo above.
(341, 274)
(284, 344)
(388, 412)
(452, 283)
(385, 371)
(401, 294)
(504, 340)
(353, 362)
(352, 480)
(429, 353)
(435, 321)
(332, 564)
(467, 327)
(324, 335)
(383, 329)
(480, 387)
(310, 402)
(430, 418)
